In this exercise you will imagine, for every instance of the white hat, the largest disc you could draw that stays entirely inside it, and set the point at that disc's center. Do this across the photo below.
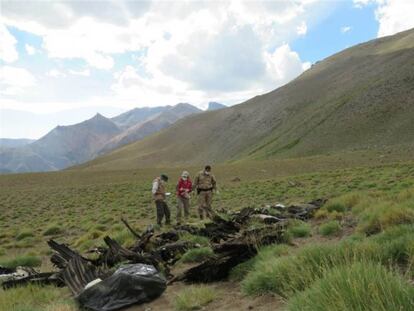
(185, 174)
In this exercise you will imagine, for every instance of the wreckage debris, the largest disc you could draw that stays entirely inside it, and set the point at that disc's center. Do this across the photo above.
(97, 285)
(20, 276)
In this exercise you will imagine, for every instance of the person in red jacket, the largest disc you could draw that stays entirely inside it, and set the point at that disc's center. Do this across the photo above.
(184, 188)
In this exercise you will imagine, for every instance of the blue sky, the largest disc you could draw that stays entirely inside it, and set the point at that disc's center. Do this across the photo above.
(326, 37)
(124, 54)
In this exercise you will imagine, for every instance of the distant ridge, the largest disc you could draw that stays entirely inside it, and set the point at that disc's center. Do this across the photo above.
(165, 118)
(65, 146)
(137, 116)
(62, 147)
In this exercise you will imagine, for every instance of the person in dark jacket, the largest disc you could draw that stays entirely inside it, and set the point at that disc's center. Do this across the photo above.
(184, 189)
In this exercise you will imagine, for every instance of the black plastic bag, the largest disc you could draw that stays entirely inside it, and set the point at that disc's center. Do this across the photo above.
(130, 284)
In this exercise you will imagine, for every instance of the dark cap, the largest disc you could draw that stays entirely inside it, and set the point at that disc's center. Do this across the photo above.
(207, 168)
(164, 177)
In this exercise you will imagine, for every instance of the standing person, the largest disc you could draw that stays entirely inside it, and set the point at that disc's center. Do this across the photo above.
(184, 188)
(159, 194)
(205, 183)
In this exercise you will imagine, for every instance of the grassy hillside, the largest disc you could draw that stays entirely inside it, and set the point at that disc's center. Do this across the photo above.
(79, 208)
(359, 99)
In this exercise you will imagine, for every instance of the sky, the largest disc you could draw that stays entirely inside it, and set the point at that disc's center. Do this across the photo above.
(59, 55)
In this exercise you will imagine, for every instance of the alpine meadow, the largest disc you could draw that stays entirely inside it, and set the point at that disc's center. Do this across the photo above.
(199, 187)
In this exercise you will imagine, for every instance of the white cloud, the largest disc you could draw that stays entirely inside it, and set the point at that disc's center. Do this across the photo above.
(85, 72)
(393, 15)
(346, 29)
(361, 3)
(179, 51)
(302, 29)
(55, 73)
(284, 65)
(14, 80)
(8, 52)
(31, 50)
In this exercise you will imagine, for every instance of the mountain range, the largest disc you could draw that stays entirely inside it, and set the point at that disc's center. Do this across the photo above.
(66, 146)
(37, 125)
(361, 98)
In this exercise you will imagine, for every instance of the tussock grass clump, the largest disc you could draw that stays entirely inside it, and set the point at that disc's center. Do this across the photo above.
(100, 227)
(374, 219)
(197, 255)
(299, 229)
(194, 298)
(377, 211)
(124, 237)
(361, 286)
(53, 230)
(22, 260)
(26, 243)
(335, 207)
(24, 234)
(344, 202)
(271, 252)
(35, 298)
(240, 271)
(293, 273)
(265, 253)
(330, 228)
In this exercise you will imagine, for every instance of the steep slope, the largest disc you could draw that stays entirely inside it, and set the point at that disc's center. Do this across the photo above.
(360, 98)
(168, 116)
(62, 147)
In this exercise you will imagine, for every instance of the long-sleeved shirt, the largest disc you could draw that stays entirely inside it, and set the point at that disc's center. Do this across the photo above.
(155, 185)
(205, 181)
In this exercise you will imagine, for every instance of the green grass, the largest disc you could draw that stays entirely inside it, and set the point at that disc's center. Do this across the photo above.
(24, 234)
(197, 255)
(35, 298)
(89, 205)
(330, 228)
(300, 229)
(383, 215)
(360, 286)
(22, 260)
(295, 272)
(194, 298)
(53, 230)
(265, 253)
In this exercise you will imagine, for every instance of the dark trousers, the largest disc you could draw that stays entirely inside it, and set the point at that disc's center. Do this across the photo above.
(162, 210)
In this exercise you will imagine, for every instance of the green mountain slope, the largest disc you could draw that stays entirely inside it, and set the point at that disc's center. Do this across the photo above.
(361, 98)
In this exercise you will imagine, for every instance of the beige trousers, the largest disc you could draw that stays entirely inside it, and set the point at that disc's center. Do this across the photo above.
(183, 204)
(205, 199)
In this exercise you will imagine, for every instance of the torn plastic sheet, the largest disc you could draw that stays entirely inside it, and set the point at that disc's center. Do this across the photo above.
(130, 284)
